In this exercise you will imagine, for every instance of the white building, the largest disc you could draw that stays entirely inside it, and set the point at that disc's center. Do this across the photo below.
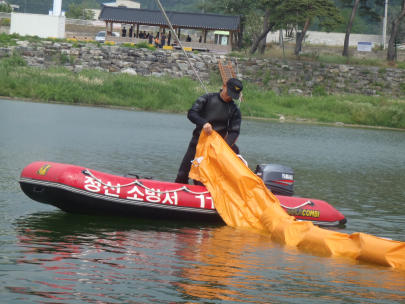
(123, 3)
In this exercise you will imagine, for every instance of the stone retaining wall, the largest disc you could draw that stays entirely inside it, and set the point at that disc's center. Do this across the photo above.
(306, 78)
(294, 77)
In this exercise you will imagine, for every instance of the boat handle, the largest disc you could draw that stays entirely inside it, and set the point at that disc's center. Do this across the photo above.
(38, 189)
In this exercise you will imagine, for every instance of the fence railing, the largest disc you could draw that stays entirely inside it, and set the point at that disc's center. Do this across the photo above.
(85, 22)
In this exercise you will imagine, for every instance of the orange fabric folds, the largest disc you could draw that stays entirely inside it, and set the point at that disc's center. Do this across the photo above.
(240, 196)
(242, 200)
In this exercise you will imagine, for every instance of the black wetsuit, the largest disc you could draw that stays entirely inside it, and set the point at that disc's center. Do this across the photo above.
(224, 117)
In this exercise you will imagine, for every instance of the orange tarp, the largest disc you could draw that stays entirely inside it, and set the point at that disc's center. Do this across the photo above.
(242, 200)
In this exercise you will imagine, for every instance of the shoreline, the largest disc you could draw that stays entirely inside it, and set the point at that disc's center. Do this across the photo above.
(306, 121)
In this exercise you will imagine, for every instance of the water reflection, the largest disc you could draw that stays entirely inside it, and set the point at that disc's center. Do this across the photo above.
(101, 260)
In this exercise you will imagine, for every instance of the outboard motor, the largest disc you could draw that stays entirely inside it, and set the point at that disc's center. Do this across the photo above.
(277, 178)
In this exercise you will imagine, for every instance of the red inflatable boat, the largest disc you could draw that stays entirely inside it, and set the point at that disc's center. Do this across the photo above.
(75, 189)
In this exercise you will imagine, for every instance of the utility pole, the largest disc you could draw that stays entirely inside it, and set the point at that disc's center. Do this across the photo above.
(84, 9)
(384, 34)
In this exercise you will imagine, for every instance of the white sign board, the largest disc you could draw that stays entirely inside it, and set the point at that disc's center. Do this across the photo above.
(364, 46)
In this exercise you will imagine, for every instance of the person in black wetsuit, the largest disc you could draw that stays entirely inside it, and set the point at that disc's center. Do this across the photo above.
(213, 111)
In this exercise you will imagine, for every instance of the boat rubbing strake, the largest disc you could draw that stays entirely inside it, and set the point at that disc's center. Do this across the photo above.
(75, 189)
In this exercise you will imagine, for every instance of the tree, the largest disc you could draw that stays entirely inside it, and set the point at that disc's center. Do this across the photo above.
(253, 26)
(303, 12)
(392, 14)
(263, 42)
(364, 10)
(5, 8)
(231, 7)
(272, 19)
(76, 12)
(394, 30)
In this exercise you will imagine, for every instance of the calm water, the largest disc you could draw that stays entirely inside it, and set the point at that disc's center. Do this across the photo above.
(48, 256)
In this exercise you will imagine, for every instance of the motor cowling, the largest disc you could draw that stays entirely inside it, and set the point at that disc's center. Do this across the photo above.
(277, 178)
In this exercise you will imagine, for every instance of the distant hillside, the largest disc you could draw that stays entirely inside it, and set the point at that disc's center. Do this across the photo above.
(43, 6)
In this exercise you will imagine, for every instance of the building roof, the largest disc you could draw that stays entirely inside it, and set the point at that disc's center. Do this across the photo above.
(177, 19)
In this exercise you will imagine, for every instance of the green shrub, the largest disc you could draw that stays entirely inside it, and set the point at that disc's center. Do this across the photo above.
(382, 70)
(267, 77)
(8, 63)
(13, 61)
(63, 58)
(72, 60)
(319, 91)
(401, 65)
(145, 45)
(402, 86)
(378, 84)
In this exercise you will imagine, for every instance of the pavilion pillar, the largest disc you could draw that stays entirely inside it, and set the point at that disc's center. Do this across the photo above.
(205, 36)
(231, 38)
(160, 35)
(106, 30)
(111, 28)
(137, 30)
(178, 32)
(133, 32)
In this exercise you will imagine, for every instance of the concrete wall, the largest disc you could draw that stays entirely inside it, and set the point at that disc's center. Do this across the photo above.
(382, 55)
(333, 38)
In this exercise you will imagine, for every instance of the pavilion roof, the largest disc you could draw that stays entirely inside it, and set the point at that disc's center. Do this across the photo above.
(177, 19)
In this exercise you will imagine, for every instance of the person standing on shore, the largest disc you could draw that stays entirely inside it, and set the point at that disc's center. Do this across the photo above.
(213, 111)
(169, 37)
(163, 39)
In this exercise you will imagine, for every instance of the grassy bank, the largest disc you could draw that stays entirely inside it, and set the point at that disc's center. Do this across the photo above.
(177, 95)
